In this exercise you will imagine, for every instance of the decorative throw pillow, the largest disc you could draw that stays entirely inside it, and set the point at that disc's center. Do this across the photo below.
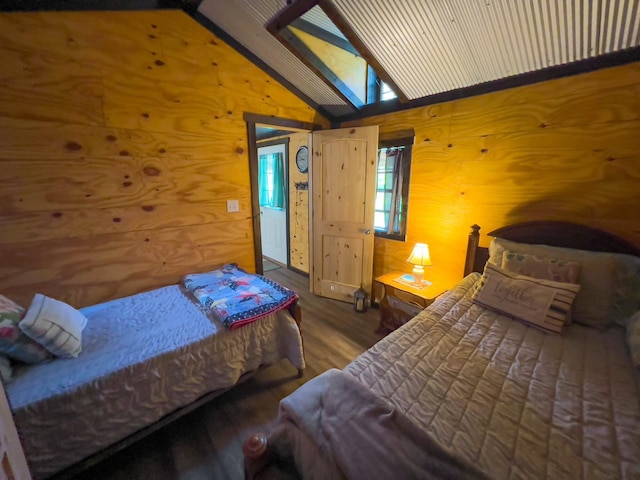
(6, 372)
(55, 325)
(541, 303)
(14, 343)
(597, 278)
(633, 338)
(545, 268)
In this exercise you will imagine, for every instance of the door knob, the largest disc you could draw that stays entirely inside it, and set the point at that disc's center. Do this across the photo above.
(367, 231)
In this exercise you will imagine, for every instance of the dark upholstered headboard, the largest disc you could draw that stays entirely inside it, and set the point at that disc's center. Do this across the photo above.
(554, 233)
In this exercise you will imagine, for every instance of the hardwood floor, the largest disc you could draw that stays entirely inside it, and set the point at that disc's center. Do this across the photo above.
(207, 443)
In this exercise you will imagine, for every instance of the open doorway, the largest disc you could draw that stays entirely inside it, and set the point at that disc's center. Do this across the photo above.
(280, 222)
(273, 192)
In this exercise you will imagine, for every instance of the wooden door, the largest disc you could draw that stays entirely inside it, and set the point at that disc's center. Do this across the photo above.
(343, 186)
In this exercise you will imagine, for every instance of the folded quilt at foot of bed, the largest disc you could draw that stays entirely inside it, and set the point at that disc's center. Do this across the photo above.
(334, 427)
(236, 297)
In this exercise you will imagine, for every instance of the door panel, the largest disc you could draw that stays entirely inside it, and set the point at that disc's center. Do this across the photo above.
(343, 179)
(345, 164)
(273, 226)
(342, 259)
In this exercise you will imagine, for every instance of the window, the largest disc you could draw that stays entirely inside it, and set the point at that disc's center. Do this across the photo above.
(386, 93)
(379, 91)
(392, 189)
(271, 180)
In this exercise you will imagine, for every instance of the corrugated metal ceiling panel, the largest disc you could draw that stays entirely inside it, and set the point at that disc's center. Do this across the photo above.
(429, 47)
(317, 16)
(244, 20)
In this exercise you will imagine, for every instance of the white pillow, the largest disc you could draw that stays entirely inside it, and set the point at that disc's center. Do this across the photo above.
(541, 303)
(54, 325)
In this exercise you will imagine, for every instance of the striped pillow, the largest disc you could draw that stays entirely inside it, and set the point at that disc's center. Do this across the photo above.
(54, 325)
(541, 303)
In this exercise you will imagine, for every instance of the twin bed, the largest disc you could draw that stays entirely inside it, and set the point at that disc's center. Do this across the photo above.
(146, 359)
(464, 391)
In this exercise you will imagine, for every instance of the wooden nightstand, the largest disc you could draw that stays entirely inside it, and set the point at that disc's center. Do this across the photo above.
(401, 302)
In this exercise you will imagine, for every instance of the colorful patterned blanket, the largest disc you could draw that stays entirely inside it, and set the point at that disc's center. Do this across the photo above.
(237, 297)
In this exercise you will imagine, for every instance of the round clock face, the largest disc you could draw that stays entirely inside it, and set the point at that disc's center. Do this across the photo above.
(302, 159)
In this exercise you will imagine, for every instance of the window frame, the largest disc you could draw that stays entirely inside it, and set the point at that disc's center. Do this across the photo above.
(407, 143)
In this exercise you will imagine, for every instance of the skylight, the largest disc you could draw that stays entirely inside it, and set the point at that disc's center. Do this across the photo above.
(326, 49)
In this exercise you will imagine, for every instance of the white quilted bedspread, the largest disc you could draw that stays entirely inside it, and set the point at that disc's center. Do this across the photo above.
(512, 400)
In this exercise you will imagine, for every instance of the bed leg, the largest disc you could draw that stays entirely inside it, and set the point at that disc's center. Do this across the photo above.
(256, 459)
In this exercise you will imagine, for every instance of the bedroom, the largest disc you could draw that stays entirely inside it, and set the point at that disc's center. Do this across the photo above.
(121, 153)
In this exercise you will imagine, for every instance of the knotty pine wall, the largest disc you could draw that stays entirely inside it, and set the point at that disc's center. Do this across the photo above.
(298, 207)
(121, 138)
(567, 149)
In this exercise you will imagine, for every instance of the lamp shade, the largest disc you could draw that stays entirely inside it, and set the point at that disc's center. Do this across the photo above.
(420, 255)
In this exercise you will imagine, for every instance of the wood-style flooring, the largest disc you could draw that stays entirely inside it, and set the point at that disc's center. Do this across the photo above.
(207, 443)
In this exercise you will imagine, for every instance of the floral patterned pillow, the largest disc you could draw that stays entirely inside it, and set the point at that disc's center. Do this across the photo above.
(13, 343)
(544, 268)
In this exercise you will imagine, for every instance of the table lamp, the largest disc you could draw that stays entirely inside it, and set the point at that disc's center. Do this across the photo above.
(419, 258)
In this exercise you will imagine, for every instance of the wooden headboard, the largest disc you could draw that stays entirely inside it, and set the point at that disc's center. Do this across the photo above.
(554, 233)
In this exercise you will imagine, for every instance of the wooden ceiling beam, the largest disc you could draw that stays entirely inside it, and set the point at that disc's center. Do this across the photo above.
(289, 14)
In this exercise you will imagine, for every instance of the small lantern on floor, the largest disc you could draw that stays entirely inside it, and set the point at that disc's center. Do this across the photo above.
(360, 298)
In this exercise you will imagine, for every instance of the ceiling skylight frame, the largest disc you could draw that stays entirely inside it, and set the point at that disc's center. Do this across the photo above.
(279, 27)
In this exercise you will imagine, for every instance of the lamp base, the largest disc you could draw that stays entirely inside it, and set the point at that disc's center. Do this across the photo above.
(418, 274)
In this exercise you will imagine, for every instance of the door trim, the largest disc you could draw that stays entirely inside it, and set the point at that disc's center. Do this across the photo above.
(253, 119)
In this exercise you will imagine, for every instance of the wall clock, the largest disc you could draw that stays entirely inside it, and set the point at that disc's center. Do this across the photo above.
(302, 159)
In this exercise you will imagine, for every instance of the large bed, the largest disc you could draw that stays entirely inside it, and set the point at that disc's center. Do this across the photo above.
(463, 391)
(145, 360)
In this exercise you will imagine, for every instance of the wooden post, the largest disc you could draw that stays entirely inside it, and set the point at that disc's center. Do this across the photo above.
(472, 247)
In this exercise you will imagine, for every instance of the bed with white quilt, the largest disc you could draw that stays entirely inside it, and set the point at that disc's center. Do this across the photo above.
(144, 360)
(528, 368)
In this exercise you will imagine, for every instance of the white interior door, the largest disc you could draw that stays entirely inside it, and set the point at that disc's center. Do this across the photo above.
(343, 185)
(273, 220)
(273, 226)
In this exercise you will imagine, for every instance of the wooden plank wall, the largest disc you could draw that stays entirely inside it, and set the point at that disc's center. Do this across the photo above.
(121, 138)
(566, 149)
